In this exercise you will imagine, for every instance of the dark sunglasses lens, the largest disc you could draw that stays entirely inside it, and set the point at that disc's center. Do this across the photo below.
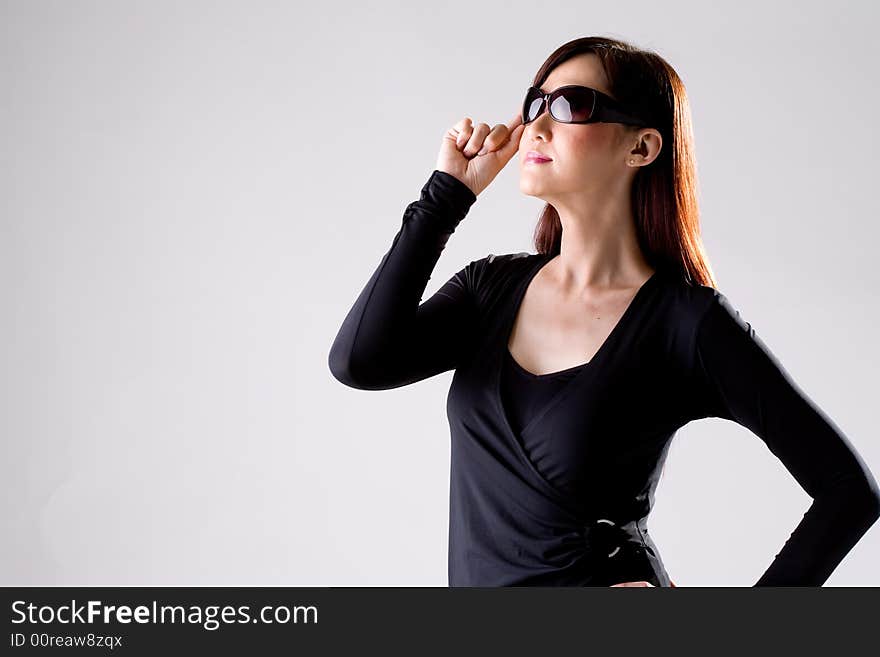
(572, 105)
(531, 105)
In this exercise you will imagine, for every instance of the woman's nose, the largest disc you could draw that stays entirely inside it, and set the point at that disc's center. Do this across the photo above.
(540, 126)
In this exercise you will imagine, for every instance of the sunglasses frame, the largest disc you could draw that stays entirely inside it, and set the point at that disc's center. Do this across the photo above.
(604, 110)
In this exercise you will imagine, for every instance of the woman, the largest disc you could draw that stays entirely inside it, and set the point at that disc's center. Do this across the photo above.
(575, 366)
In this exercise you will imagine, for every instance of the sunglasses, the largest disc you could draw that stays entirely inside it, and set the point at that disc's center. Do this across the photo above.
(574, 103)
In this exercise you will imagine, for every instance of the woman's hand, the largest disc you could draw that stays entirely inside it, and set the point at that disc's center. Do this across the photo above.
(671, 583)
(634, 584)
(476, 154)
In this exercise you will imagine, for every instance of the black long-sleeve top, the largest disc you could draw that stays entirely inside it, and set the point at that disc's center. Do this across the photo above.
(559, 494)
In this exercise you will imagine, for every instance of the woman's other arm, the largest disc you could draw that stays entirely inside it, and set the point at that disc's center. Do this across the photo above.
(744, 382)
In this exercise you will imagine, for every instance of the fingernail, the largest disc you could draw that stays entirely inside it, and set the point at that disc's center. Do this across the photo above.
(481, 152)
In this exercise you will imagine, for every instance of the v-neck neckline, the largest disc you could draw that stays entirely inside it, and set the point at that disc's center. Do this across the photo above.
(540, 377)
(507, 330)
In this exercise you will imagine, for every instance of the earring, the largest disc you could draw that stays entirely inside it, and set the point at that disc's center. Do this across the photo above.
(632, 161)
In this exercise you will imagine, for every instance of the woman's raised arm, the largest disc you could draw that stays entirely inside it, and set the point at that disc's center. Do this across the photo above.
(388, 339)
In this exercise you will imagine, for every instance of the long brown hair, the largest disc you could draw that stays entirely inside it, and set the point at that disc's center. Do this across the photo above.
(664, 192)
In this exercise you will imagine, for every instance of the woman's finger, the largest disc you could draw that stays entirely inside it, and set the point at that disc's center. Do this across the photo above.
(475, 143)
(515, 121)
(464, 128)
(497, 136)
(634, 584)
(500, 134)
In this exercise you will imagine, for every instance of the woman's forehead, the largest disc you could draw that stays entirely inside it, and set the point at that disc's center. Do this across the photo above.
(583, 70)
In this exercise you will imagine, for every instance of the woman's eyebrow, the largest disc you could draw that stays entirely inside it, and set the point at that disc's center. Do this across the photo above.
(541, 89)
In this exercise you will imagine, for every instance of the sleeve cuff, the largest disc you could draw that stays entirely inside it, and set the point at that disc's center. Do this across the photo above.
(446, 190)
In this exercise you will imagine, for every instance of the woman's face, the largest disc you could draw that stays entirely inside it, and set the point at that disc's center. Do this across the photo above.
(585, 157)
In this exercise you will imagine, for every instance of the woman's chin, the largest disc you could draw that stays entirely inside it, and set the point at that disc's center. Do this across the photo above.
(533, 188)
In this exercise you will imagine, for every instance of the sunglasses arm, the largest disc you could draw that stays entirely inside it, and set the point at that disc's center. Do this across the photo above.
(611, 114)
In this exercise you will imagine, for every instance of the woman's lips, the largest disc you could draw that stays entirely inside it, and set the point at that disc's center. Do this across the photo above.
(536, 158)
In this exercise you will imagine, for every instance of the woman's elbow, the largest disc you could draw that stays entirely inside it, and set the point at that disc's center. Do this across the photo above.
(863, 497)
(350, 368)
(872, 499)
(340, 362)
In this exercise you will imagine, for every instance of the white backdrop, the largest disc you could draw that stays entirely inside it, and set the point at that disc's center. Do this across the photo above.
(194, 193)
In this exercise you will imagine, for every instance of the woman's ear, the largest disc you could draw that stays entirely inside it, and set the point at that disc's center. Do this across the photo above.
(648, 144)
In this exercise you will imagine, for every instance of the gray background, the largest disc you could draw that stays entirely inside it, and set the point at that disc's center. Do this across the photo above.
(190, 206)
